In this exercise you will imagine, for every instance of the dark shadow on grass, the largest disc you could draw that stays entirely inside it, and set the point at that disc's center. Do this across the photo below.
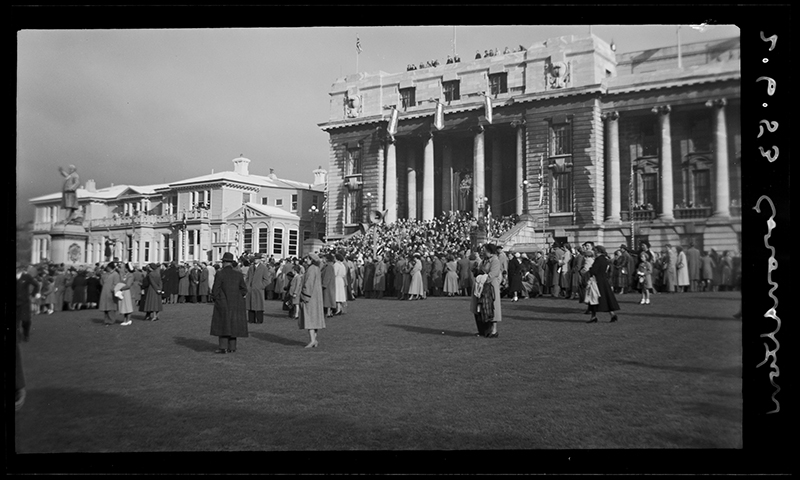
(733, 372)
(268, 337)
(725, 412)
(98, 320)
(431, 331)
(196, 344)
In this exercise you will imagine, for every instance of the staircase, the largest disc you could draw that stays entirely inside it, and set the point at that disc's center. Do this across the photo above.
(522, 237)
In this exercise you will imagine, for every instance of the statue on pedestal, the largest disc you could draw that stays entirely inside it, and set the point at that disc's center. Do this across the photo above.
(69, 195)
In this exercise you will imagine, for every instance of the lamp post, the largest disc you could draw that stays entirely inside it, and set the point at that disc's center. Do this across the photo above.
(524, 187)
(313, 211)
(369, 204)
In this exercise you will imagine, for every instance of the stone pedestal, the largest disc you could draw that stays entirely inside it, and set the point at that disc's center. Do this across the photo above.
(478, 237)
(68, 244)
(312, 245)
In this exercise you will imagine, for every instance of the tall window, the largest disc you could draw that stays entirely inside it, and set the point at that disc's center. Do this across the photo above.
(277, 242)
(306, 235)
(702, 188)
(561, 139)
(354, 161)
(263, 240)
(129, 258)
(353, 207)
(264, 200)
(165, 243)
(292, 243)
(146, 251)
(294, 202)
(498, 83)
(562, 191)
(190, 241)
(700, 135)
(248, 239)
(315, 200)
(561, 166)
(650, 189)
(648, 138)
(407, 98)
(452, 90)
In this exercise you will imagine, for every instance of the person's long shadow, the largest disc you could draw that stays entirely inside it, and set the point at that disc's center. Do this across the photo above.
(268, 337)
(431, 331)
(195, 344)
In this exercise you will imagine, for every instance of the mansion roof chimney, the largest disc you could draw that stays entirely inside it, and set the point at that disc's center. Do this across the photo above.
(91, 186)
(319, 176)
(240, 165)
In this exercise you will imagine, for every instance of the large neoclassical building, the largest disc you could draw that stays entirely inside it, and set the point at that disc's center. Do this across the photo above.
(583, 143)
(196, 219)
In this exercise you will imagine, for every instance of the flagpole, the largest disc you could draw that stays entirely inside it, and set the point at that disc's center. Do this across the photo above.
(454, 41)
(678, 33)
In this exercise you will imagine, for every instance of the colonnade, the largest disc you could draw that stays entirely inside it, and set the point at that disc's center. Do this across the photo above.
(613, 189)
(412, 176)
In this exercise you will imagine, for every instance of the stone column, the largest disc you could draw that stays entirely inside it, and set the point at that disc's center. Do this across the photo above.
(497, 176)
(614, 187)
(411, 174)
(478, 179)
(447, 177)
(427, 179)
(722, 202)
(520, 174)
(391, 181)
(412, 193)
(379, 189)
(666, 163)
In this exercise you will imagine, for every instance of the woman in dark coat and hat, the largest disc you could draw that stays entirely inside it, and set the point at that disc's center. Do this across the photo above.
(229, 320)
(607, 301)
(153, 290)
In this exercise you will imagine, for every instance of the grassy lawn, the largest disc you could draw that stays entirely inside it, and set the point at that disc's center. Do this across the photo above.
(391, 376)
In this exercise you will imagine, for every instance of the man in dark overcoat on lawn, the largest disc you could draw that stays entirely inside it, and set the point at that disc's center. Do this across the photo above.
(27, 287)
(257, 279)
(229, 320)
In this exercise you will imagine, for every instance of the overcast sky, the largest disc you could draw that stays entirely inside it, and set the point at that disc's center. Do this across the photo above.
(150, 106)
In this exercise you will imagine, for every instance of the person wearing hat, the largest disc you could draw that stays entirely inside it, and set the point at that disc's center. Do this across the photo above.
(123, 292)
(257, 279)
(693, 263)
(108, 302)
(312, 311)
(607, 302)
(487, 310)
(340, 284)
(27, 287)
(515, 287)
(328, 279)
(229, 320)
(152, 286)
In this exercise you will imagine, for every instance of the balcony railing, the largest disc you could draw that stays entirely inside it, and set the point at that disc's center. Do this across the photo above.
(638, 215)
(692, 213)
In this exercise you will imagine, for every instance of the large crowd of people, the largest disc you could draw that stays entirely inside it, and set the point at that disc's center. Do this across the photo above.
(406, 260)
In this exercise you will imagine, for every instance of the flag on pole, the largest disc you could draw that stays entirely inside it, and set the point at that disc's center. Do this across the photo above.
(358, 44)
(438, 118)
(488, 107)
(392, 128)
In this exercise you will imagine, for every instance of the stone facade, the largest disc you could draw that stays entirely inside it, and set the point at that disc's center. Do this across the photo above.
(571, 122)
(196, 219)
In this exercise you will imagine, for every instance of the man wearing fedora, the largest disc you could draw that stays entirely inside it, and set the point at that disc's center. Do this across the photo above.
(26, 288)
(229, 321)
(257, 280)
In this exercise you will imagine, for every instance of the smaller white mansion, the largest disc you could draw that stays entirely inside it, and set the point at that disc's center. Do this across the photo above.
(198, 218)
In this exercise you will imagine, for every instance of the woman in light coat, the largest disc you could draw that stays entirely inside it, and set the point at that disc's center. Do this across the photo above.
(312, 315)
(340, 281)
(682, 269)
(126, 302)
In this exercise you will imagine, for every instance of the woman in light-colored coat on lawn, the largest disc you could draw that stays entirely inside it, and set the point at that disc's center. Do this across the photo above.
(312, 315)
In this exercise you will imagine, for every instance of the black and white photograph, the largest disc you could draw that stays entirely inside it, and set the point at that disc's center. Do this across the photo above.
(388, 247)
